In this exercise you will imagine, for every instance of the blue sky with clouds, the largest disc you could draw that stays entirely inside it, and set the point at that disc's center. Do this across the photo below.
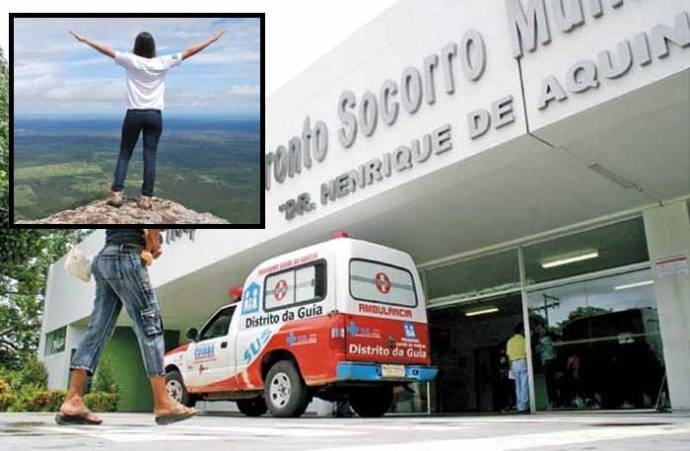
(56, 74)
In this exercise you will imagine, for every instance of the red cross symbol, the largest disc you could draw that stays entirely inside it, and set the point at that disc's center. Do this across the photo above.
(383, 283)
(280, 290)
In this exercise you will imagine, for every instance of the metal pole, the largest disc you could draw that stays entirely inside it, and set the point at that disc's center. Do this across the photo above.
(528, 338)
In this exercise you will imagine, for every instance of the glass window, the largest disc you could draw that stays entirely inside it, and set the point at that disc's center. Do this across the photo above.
(468, 343)
(280, 290)
(379, 282)
(218, 326)
(55, 341)
(295, 286)
(471, 279)
(607, 247)
(305, 284)
(597, 343)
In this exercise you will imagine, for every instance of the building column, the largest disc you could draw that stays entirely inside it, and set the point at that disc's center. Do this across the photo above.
(668, 240)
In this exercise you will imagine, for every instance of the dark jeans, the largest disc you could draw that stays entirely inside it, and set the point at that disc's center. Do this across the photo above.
(122, 280)
(150, 122)
(549, 368)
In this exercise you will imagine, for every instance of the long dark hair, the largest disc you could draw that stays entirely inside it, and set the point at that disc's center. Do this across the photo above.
(144, 45)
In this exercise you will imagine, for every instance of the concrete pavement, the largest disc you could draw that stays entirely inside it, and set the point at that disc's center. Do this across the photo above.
(548, 431)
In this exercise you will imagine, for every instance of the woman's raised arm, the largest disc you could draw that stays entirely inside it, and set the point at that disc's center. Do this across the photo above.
(193, 50)
(101, 48)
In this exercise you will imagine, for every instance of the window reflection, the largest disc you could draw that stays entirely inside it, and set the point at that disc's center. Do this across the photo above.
(596, 344)
(611, 246)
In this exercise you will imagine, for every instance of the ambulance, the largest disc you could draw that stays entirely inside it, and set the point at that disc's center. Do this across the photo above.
(340, 320)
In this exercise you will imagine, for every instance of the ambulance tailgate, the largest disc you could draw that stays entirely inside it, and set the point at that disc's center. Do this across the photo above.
(385, 340)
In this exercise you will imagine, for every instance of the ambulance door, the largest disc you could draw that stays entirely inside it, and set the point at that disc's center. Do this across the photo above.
(213, 353)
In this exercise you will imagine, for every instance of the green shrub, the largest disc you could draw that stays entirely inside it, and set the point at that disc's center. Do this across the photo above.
(33, 373)
(10, 377)
(105, 393)
(25, 390)
(36, 399)
(6, 395)
(24, 399)
(104, 379)
(101, 401)
(55, 398)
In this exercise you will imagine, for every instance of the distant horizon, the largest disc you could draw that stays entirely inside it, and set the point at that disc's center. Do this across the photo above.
(119, 116)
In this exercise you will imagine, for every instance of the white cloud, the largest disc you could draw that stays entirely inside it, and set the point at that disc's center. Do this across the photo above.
(244, 89)
(223, 57)
(49, 88)
(54, 71)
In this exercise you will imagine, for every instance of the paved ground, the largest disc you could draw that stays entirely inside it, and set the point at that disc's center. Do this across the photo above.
(575, 431)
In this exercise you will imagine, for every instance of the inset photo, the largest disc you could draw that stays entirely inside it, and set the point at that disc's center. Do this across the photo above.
(136, 119)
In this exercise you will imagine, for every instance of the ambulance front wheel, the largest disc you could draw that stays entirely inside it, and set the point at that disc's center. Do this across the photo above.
(371, 402)
(285, 393)
(177, 390)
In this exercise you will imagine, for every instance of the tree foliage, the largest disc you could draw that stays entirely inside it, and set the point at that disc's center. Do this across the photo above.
(586, 311)
(25, 256)
(4, 139)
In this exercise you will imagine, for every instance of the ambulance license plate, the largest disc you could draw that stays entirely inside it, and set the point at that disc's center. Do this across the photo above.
(388, 370)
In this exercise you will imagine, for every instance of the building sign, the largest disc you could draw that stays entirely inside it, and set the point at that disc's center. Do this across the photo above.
(172, 235)
(531, 23)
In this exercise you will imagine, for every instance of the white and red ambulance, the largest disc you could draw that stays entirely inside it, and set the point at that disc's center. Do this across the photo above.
(343, 319)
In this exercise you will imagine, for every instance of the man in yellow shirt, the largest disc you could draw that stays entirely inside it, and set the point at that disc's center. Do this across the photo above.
(515, 349)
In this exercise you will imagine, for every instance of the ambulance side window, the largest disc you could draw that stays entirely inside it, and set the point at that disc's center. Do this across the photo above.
(301, 285)
(218, 325)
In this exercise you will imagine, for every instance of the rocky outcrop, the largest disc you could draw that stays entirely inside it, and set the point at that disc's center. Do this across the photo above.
(163, 212)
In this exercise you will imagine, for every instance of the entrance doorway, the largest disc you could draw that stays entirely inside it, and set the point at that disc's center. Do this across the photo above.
(467, 342)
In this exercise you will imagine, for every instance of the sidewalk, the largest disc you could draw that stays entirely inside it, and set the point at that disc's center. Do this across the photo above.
(624, 431)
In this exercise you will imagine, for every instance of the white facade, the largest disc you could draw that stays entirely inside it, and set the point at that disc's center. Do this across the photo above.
(613, 145)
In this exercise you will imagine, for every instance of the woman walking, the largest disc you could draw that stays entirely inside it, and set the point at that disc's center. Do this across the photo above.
(122, 280)
(145, 92)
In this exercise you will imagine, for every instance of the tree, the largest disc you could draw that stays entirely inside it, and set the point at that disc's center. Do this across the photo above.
(585, 311)
(25, 256)
(4, 138)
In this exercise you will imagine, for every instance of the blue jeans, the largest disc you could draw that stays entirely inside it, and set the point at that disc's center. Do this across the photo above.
(121, 279)
(150, 122)
(519, 370)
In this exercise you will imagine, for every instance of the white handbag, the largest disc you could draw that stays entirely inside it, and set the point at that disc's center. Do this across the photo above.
(78, 264)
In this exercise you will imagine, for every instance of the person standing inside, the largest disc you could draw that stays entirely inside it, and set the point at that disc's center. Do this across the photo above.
(516, 351)
(145, 92)
(547, 357)
(506, 386)
(123, 280)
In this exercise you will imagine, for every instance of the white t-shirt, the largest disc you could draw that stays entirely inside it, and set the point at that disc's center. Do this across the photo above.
(146, 78)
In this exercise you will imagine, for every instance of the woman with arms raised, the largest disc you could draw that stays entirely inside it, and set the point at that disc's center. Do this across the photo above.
(145, 92)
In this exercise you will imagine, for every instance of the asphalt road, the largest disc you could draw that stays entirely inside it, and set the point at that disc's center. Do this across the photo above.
(549, 431)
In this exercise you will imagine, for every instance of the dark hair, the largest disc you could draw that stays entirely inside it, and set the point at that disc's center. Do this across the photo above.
(144, 45)
(519, 328)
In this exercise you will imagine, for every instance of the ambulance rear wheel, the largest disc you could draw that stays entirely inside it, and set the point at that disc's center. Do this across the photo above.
(254, 407)
(371, 402)
(285, 392)
(177, 390)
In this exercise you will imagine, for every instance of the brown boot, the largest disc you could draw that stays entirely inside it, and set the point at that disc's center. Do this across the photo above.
(144, 202)
(115, 199)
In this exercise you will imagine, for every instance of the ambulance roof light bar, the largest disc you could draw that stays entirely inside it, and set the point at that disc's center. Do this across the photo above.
(339, 234)
(235, 293)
